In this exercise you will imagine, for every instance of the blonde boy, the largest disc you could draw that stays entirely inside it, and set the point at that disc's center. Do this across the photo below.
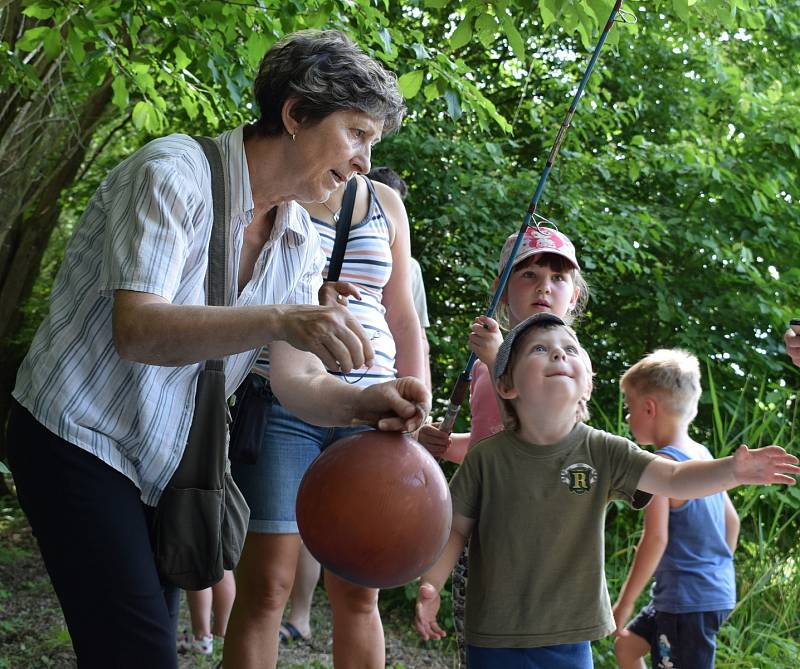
(687, 544)
(533, 500)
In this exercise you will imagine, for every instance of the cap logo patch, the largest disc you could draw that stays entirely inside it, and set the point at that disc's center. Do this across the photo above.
(579, 478)
(543, 239)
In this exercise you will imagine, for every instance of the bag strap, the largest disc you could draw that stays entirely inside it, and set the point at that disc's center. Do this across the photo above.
(218, 244)
(342, 230)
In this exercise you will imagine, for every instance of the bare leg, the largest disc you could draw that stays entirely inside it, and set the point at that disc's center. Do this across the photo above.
(200, 611)
(263, 582)
(223, 594)
(357, 630)
(630, 651)
(305, 581)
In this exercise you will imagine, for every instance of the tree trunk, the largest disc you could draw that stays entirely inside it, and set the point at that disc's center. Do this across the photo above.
(25, 241)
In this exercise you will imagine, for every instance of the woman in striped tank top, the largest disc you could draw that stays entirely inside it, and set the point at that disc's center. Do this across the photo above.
(375, 286)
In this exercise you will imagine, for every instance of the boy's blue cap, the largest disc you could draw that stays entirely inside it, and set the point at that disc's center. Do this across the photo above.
(504, 352)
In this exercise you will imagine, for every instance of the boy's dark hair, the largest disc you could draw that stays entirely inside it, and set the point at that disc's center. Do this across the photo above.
(326, 72)
(386, 175)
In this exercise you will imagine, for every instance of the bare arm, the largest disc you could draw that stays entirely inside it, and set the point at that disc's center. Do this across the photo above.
(459, 445)
(699, 478)
(305, 388)
(655, 536)
(451, 447)
(732, 524)
(432, 582)
(400, 313)
(149, 329)
(426, 357)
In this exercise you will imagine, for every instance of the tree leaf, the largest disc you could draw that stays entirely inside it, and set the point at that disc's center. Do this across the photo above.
(141, 114)
(38, 11)
(410, 83)
(386, 39)
(486, 27)
(431, 92)
(32, 38)
(681, 8)
(120, 90)
(462, 34)
(515, 40)
(548, 11)
(52, 43)
(420, 51)
(181, 59)
(256, 46)
(75, 46)
(453, 104)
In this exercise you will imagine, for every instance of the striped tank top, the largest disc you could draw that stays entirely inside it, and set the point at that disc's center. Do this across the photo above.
(367, 263)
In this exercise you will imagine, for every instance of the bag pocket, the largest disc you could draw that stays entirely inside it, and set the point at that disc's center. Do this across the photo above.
(250, 415)
(234, 523)
(187, 539)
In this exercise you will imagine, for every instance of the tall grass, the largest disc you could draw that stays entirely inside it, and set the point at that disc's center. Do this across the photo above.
(764, 628)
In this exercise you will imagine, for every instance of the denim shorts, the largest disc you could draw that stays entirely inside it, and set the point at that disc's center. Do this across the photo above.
(679, 640)
(562, 656)
(270, 485)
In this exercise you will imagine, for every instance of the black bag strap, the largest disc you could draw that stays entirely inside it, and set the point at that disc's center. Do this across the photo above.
(218, 245)
(342, 230)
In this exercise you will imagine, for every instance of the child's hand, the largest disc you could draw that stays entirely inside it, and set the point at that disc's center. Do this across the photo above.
(485, 340)
(763, 466)
(428, 602)
(434, 440)
(333, 293)
(622, 612)
(792, 340)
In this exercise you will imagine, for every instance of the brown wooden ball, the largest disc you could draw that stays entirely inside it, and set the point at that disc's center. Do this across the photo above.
(374, 508)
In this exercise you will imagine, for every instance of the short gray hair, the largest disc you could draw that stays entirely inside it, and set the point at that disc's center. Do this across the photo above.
(326, 72)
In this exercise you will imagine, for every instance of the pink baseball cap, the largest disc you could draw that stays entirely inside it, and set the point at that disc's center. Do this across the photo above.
(541, 240)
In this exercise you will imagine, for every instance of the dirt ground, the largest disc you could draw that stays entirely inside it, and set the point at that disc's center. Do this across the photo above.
(33, 634)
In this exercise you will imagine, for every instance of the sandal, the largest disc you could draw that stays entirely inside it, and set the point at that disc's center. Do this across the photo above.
(289, 634)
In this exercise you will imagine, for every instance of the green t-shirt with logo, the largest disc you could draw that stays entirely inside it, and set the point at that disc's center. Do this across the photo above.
(536, 554)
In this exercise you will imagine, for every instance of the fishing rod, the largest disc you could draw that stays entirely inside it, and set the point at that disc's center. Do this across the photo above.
(459, 393)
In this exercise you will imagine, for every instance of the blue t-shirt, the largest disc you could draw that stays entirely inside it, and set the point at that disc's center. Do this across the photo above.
(696, 571)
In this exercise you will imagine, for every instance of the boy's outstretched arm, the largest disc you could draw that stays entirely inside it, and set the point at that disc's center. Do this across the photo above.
(696, 478)
(732, 524)
(648, 554)
(432, 582)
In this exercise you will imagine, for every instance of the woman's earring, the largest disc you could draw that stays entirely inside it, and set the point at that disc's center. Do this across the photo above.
(294, 134)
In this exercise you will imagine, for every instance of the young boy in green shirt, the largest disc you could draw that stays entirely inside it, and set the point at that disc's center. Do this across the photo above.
(532, 501)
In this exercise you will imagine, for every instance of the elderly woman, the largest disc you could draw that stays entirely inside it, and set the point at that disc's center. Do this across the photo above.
(104, 398)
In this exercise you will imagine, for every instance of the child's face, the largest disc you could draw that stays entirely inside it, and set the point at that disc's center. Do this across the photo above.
(534, 288)
(547, 365)
(638, 417)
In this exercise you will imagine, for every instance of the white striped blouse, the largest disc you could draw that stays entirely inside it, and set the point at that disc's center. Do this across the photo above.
(147, 229)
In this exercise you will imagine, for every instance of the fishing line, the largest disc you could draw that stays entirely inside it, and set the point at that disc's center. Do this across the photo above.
(459, 393)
